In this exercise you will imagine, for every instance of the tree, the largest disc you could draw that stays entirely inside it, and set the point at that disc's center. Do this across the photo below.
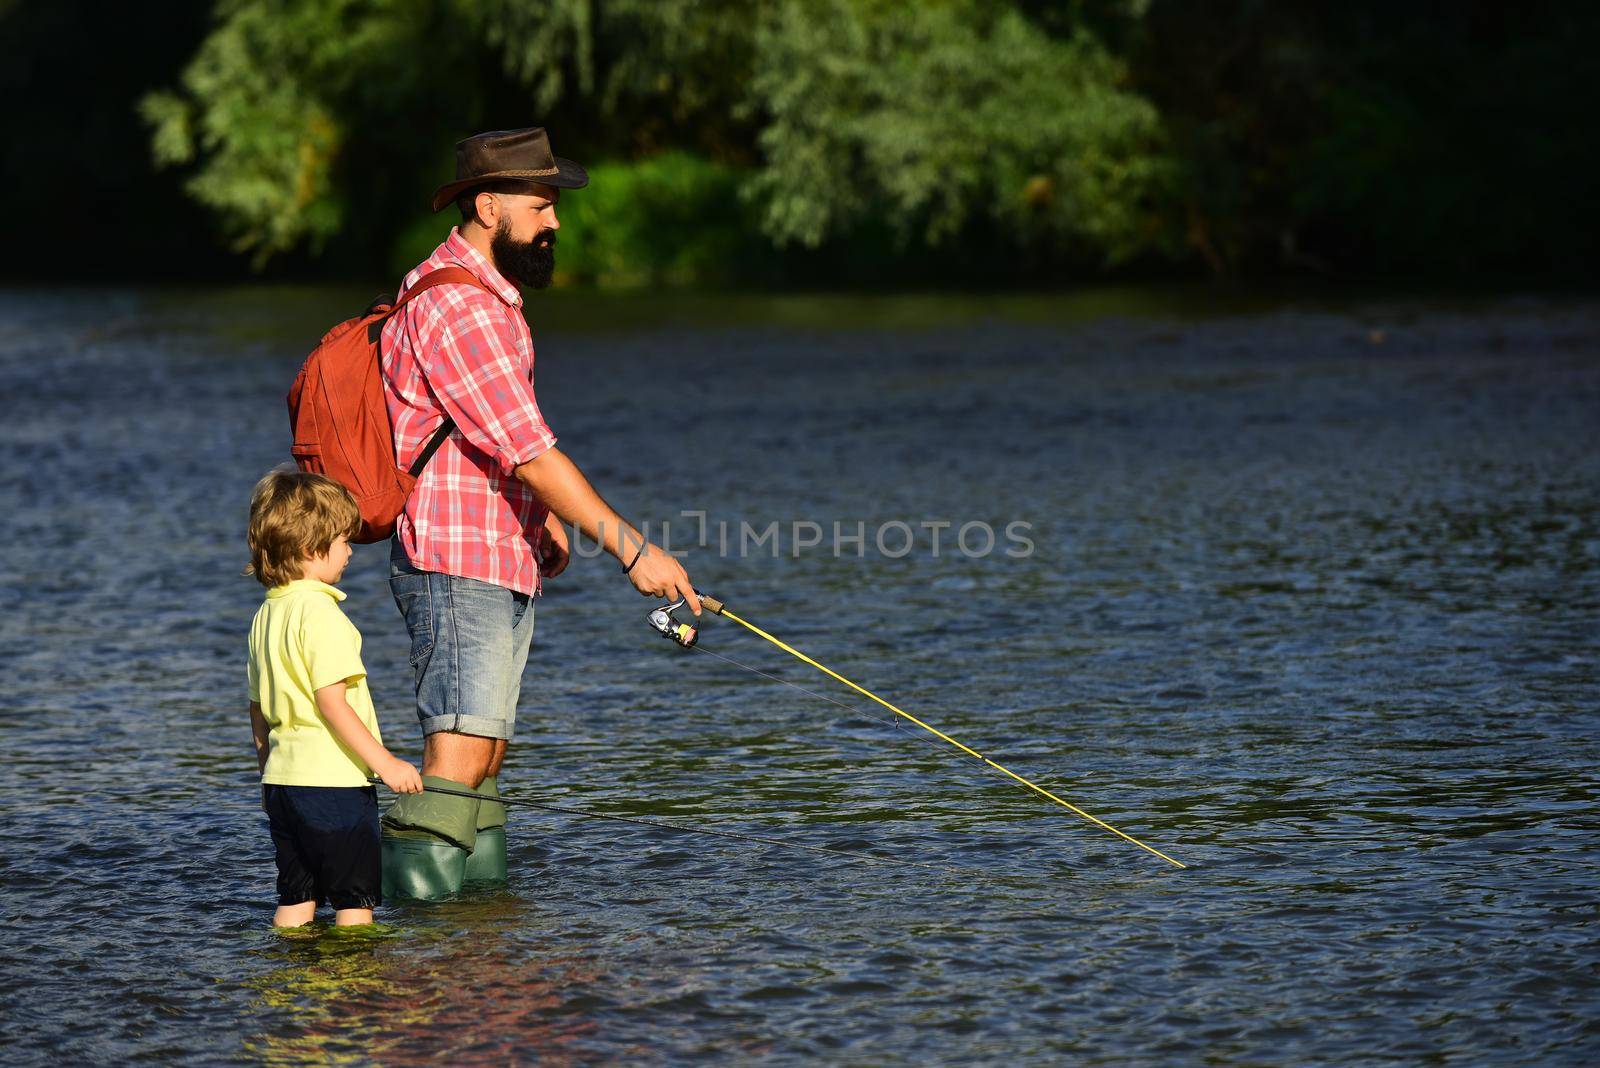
(930, 117)
(292, 110)
(941, 114)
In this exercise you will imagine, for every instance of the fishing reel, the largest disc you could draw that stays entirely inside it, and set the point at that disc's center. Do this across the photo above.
(668, 626)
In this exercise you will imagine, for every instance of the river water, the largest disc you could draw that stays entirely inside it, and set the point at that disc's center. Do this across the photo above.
(1311, 606)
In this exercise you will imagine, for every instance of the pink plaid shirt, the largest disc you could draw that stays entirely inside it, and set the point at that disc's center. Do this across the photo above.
(461, 351)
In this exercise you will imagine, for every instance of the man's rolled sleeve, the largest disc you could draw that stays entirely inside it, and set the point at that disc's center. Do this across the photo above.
(478, 378)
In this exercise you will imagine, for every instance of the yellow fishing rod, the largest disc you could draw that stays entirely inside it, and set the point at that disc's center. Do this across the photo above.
(687, 635)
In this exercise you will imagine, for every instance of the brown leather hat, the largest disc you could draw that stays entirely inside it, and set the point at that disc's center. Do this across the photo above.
(514, 155)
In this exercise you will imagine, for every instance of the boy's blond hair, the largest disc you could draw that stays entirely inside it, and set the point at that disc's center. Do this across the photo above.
(295, 516)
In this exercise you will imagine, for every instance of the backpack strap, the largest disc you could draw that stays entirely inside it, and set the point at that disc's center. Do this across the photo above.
(439, 276)
(432, 446)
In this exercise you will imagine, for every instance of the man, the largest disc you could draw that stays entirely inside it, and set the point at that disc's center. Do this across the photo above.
(484, 523)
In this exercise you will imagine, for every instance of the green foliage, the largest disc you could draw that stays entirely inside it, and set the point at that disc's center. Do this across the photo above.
(942, 115)
(845, 137)
(256, 109)
(1434, 150)
(1365, 138)
(264, 110)
(292, 108)
(417, 235)
(929, 119)
(671, 219)
(665, 72)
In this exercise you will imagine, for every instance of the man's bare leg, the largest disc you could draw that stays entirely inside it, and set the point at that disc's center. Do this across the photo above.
(461, 757)
(429, 837)
(487, 865)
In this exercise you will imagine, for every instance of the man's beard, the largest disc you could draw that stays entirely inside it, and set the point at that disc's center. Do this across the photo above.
(528, 263)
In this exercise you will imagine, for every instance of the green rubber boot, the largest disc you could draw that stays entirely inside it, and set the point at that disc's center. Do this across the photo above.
(487, 864)
(421, 868)
(427, 839)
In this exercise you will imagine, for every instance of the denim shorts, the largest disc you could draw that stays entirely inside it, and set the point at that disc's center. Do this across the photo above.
(469, 644)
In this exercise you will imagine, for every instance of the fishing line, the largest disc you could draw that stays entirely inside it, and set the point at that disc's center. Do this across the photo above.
(853, 854)
(687, 635)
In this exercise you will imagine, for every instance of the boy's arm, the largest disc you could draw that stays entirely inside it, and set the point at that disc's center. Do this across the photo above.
(396, 774)
(258, 728)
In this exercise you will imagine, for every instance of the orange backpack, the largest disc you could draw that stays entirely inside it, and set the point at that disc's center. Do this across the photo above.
(341, 420)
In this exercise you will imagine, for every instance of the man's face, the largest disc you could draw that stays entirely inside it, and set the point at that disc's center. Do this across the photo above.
(525, 236)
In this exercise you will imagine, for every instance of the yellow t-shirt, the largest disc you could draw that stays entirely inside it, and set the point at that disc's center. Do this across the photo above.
(300, 641)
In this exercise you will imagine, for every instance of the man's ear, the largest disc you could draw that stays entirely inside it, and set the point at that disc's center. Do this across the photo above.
(488, 212)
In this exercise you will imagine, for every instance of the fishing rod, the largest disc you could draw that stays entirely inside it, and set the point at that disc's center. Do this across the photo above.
(659, 825)
(687, 635)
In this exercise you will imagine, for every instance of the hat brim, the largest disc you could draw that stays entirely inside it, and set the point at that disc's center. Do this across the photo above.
(568, 176)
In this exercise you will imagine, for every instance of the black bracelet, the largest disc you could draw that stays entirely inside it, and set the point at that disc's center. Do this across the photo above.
(642, 546)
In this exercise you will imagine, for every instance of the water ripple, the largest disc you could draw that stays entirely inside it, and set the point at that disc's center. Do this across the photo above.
(1315, 614)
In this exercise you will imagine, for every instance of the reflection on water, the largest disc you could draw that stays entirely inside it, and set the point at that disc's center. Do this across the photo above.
(387, 995)
(1313, 609)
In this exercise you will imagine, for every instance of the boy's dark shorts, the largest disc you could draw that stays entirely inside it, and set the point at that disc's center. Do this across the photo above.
(326, 838)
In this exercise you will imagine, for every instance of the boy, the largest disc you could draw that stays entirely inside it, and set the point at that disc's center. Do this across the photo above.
(316, 734)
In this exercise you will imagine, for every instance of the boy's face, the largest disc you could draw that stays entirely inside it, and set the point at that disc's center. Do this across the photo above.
(329, 567)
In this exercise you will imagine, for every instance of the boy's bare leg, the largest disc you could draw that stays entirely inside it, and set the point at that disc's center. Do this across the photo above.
(352, 917)
(294, 915)
(462, 757)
